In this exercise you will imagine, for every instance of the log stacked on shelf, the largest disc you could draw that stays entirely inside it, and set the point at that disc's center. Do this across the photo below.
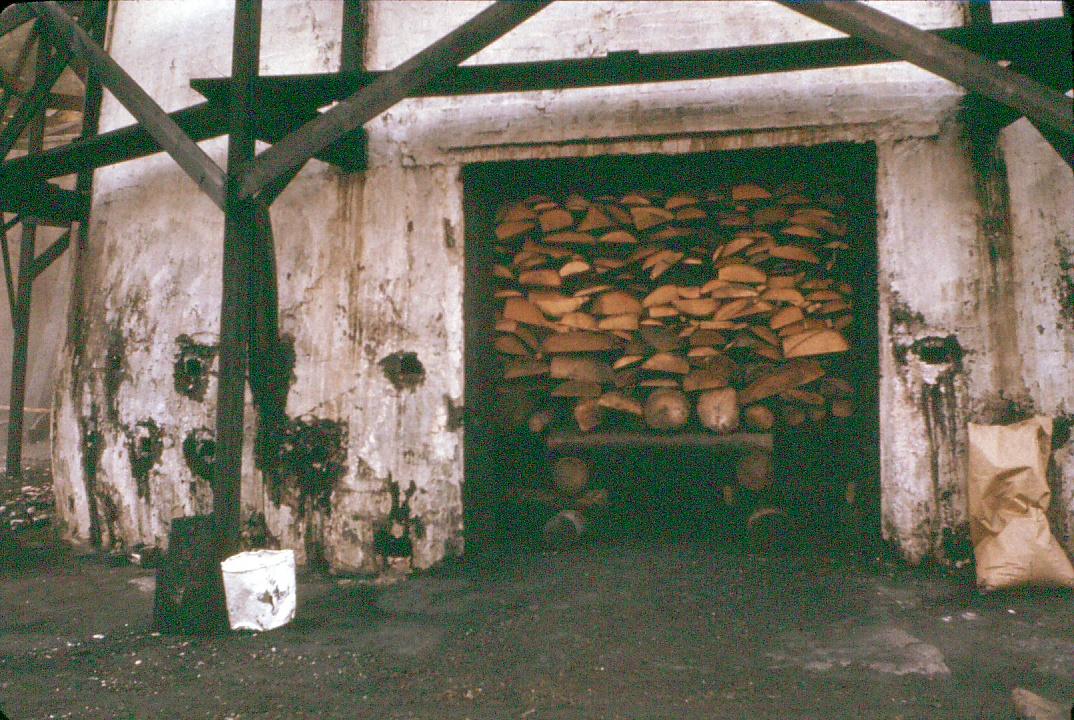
(721, 310)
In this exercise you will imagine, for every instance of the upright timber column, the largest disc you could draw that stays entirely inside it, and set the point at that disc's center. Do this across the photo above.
(239, 229)
(20, 314)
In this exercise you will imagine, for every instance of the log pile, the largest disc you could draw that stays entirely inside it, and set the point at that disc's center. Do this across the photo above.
(719, 311)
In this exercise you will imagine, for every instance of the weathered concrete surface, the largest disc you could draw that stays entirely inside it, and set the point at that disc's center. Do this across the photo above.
(1042, 263)
(613, 631)
(371, 267)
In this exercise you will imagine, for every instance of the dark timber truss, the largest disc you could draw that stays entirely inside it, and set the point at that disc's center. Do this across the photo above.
(284, 111)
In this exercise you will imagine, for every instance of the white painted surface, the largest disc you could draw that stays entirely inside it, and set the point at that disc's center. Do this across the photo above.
(370, 265)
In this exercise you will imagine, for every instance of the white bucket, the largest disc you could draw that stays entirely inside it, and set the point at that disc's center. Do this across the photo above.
(259, 586)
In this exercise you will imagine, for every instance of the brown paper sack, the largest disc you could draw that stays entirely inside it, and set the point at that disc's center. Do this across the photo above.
(1008, 494)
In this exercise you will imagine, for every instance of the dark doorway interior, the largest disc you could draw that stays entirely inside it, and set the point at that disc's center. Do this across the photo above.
(676, 494)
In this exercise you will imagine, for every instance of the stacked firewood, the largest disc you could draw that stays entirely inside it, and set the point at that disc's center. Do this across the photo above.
(713, 310)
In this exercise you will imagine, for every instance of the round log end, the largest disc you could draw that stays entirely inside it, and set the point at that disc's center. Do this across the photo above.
(666, 409)
(570, 475)
(718, 410)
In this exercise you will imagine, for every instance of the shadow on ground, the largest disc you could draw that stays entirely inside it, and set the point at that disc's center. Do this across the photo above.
(620, 629)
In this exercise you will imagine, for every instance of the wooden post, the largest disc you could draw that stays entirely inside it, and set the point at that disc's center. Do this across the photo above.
(191, 158)
(91, 115)
(50, 64)
(350, 114)
(1040, 104)
(239, 229)
(20, 316)
(20, 64)
(352, 43)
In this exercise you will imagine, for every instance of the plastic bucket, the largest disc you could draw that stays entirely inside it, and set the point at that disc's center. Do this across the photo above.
(259, 587)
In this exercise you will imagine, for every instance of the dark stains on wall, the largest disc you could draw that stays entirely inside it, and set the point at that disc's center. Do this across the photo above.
(403, 370)
(199, 452)
(92, 447)
(1066, 283)
(193, 365)
(939, 406)
(393, 538)
(144, 445)
(307, 455)
(456, 414)
(944, 351)
(115, 372)
(110, 515)
(302, 457)
(255, 533)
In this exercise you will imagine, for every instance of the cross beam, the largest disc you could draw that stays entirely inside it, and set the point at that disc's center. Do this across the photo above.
(191, 158)
(395, 85)
(1041, 48)
(1037, 102)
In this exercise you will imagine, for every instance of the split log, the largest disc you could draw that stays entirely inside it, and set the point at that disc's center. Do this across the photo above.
(718, 410)
(611, 305)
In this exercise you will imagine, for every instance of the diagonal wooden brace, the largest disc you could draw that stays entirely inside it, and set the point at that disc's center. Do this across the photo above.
(1038, 103)
(447, 52)
(191, 158)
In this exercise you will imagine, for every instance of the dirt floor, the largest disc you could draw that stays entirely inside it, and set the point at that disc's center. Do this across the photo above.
(614, 629)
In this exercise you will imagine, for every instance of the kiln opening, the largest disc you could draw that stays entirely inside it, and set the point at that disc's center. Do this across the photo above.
(673, 346)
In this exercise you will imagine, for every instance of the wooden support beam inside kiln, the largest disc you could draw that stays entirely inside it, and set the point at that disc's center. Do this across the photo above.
(1037, 102)
(332, 125)
(735, 443)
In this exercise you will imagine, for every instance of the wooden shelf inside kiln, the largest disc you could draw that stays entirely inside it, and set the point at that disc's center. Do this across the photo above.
(734, 443)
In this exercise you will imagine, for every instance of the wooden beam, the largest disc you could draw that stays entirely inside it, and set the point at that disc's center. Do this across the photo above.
(20, 316)
(50, 65)
(979, 12)
(91, 112)
(32, 39)
(1037, 102)
(44, 202)
(734, 443)
(1041, 48)
(200, 122)
(191, 158)
(239, 229)
(395, 85)
(50, 254)
(8, 278)
(352, 42)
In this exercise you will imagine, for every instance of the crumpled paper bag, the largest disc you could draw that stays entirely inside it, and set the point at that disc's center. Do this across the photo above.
(1008, 497)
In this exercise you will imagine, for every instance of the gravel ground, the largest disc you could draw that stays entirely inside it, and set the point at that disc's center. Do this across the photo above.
(613, 629)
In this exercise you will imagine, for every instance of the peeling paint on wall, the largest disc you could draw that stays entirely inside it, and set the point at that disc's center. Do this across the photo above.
(144, 447)
(193, 365)
(371, 268)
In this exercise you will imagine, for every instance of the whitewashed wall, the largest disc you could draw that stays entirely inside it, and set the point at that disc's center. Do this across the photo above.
(373, 264)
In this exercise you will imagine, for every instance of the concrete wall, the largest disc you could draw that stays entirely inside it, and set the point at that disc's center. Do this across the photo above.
(372, 265)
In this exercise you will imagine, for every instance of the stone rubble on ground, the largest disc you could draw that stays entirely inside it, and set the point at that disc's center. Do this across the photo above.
(25, 507)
